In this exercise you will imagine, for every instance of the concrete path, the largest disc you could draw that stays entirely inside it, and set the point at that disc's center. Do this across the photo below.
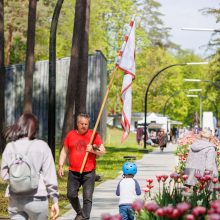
(152, 164)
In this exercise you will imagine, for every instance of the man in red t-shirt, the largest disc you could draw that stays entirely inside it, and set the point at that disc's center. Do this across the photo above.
(76, 144)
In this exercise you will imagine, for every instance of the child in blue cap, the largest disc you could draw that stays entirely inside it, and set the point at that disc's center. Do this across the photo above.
(128, 189)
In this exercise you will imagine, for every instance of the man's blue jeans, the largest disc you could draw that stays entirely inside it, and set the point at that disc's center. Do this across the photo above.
(75, 181)
(126, 212)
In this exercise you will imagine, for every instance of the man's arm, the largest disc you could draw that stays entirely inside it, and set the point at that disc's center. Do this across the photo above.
(63, 155)
(99, 151)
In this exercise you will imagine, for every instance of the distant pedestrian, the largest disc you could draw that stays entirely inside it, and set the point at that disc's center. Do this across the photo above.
(139, 135)
(162, 139)
(128, 189)
(23, 143)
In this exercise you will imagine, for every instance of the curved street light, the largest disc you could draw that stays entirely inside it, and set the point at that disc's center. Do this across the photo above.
(200, 29)
(215, 83)
(189, 95)
(148, 87)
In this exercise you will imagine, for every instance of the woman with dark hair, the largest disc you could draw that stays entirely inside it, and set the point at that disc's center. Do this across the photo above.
(34, 204)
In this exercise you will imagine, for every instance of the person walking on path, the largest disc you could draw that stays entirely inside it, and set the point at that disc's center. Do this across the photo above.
(128, 188)
(201, 159)
(162, 139)
(76, 144)
(33, 204)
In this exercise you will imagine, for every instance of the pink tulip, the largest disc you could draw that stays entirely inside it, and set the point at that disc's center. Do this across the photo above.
(106, 216)
(214, 216)
(207, 172)
(215, 180)
(199, 210)
(137, 205)
(190, 217)
(168, 210)
(151, 206)
(198, 176)
(207, 177)
(174, 176)
(159, 212)
(116, 217)
(183, 207)
(146, 189)
(215, 205)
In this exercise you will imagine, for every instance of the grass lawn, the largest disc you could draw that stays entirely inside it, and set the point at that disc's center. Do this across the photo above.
(108, 166)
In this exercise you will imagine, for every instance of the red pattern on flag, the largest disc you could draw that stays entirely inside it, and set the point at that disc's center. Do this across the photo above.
(126, 62)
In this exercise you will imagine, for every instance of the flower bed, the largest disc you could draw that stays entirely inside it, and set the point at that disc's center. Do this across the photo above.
(176, 201)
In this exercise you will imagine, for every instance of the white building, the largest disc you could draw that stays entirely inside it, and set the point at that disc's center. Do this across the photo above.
(138, 119)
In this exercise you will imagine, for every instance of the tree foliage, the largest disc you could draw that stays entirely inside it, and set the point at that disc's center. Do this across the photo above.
(108, 24)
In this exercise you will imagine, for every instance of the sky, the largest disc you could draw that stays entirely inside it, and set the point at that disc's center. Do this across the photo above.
(185, 14)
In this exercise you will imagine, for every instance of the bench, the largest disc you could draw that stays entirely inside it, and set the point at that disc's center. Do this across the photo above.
(130, 157)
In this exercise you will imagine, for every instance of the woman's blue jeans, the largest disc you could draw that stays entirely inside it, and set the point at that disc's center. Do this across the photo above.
(75, 181)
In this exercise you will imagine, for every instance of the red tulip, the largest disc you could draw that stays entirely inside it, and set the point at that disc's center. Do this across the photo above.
(184, 177)
(150, 186)
(158, 178)
(176, 213)
(164, 177)
(149, 180)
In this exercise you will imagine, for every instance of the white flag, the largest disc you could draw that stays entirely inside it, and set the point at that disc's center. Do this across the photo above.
(126, 62)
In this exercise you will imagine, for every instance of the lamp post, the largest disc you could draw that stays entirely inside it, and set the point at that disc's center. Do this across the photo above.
(200, 106)
(208, 81)
(200, 29)
(148, 87)
(204, 80)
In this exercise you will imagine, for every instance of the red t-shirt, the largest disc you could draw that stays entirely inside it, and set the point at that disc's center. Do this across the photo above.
(77, 144)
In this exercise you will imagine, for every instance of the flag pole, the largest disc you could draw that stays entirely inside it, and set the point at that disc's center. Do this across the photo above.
(99, 117)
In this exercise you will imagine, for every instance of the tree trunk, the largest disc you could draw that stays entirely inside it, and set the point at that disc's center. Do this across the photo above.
(2, 78)
(52, 78)
(81, 91)
(9, 44)
(29, 64)
(78, 73)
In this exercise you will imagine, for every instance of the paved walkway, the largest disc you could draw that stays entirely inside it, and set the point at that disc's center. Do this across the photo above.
(152, 164)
